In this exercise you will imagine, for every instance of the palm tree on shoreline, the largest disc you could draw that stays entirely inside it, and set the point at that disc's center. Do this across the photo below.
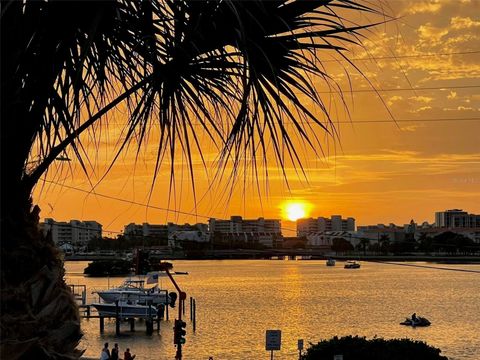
(234, 68)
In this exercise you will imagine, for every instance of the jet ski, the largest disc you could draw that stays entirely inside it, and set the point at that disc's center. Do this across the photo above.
(420, 321)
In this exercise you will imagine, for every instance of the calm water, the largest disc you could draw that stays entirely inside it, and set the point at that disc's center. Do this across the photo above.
(237, 300)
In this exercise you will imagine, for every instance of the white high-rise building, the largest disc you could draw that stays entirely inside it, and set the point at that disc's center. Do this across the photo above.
(456, 218)
(75, 232)
(322, 224)
(237, 224)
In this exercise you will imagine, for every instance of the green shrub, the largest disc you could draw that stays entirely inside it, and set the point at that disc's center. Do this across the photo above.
(359, 348)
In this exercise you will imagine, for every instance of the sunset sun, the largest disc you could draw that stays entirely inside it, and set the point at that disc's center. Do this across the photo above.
(295, 210)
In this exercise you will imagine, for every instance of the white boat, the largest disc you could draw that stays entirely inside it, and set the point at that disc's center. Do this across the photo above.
(352, 265)
(125, 310)
(331, 262)
(135, 292)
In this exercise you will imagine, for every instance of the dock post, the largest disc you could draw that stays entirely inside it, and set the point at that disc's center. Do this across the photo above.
(102, 324)
(194, 314)
(149, 321)
(159, 312)
(149, 326)
(132, 324)
(84, 296)
(117, 319)
(191, 314)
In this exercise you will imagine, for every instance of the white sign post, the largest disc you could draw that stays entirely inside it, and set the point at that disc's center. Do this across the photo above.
(273, 341)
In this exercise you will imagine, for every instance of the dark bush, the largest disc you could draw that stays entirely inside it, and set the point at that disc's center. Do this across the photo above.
(359, 348)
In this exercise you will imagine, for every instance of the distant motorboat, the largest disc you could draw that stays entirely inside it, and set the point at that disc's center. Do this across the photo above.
(352, 265)
(331, 262)
(420, 321)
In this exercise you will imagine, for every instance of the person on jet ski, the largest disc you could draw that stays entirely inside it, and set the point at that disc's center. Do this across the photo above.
(414, 318)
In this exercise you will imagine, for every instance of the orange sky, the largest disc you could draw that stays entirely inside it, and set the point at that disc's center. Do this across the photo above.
(377, 172)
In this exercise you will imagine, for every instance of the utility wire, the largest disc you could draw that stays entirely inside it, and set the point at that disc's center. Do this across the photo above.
(395, 57)
(125, 200)
(425, 266)
(352, 122)
(136, 203)
(401, 89)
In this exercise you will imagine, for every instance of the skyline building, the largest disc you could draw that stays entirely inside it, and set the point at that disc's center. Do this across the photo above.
(321, 224)
(237, 224)
(456, 218)
(75, 231)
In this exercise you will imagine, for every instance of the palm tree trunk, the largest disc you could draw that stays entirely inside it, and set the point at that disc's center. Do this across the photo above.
(39, 317)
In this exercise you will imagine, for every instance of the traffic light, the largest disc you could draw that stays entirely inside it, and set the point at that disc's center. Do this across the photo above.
(179, 332)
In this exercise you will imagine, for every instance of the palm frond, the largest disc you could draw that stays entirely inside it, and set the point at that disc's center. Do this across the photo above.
(235, 69)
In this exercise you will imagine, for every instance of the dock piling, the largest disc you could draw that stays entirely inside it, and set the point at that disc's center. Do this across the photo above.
(117, 319)
(194, 321)
(191, 308)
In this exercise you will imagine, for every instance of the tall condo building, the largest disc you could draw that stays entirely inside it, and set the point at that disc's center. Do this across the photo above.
(237, 224)
(75, 231)
(322, 224)
(456, 218)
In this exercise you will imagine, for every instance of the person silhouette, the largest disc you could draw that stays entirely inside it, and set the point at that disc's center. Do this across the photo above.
(105, 355)
(127, 355)
(115, 352)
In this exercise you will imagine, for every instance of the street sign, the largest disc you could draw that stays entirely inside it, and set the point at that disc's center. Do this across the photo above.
(337, 357)
(273, 339)
(300, 344)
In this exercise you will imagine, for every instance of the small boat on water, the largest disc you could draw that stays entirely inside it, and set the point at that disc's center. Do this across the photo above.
(420, 321)
(352, 265)
(331, 262)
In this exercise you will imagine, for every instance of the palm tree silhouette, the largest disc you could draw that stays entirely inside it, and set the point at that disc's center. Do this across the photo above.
(234, 69)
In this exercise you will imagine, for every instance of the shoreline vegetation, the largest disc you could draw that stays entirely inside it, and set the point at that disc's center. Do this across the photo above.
(361, 348)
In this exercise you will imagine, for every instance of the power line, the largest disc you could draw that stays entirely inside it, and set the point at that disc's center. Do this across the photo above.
(125, 200)
(136, 203)
(353, 122)
(403, 89)
(395, 57)
(425, 266)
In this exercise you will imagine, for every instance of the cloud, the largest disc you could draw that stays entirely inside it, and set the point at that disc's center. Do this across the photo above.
(431, 34)
(423, 99)
(420, 109)
(411, 128)
(458, 22)
(424, 7)
(394, 99)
